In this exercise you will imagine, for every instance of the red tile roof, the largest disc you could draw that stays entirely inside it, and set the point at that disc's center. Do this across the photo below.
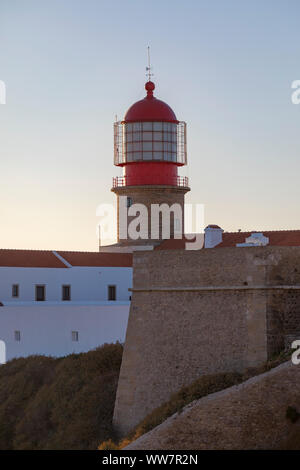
(47, 259)
(29, 259)
(81, 258)
(276, 237)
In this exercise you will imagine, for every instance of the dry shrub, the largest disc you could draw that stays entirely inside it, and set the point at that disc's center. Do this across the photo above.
(64, 403)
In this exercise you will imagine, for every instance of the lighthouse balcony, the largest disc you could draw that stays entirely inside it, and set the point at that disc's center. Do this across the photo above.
(179, 181)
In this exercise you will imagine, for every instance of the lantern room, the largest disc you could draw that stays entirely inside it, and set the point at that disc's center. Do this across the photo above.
(150, 144)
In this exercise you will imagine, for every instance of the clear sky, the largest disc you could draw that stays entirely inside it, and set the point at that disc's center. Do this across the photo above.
(70, 66)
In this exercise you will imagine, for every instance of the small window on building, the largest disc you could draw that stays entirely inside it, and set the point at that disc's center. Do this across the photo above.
(15, 290)
(40, 293)
(66, 292)
(17, 335)
(129, 202)
(112, 293)
(75, 336)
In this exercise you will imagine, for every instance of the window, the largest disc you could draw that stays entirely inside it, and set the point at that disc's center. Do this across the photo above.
(137, 146)
(147, 126)
(147, 146)
(139, 137)
(66, 292)
(112, 295)
(158, 136)
(137, 126)
(147, 136)
(17, 335)
(158, 146)
(157, 155)
(40, 293)
(75, 336)
(15, 290)
(157, 126)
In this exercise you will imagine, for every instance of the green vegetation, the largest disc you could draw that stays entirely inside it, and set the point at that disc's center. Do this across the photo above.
(64, 403)
(203, 386)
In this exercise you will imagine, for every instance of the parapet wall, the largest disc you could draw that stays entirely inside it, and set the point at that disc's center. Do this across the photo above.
(199, 312)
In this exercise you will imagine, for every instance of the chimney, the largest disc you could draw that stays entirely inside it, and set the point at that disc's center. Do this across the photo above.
(213, 236)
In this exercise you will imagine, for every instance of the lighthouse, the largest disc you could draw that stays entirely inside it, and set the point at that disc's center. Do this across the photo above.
(150, 147)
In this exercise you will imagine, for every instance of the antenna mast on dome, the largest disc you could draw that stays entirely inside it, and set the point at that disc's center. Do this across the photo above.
(149, 68)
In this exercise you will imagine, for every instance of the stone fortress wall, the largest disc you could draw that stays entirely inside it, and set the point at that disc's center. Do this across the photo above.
(200, 312)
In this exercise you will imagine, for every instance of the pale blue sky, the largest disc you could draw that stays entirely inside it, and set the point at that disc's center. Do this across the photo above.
(70, 66)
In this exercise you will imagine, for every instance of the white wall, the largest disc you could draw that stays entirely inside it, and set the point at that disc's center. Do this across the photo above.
(87, 283)
(46, 329)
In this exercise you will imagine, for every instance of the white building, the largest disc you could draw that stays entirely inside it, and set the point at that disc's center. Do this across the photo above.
(57, 303)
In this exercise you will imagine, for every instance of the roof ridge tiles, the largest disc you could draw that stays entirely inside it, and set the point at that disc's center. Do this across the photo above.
(262, 231)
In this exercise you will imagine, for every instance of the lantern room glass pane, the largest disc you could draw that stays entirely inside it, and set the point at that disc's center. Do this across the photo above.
(157, 136)
(147, 136)
(157, 146)
(147, 155)
(149, 141)
(157, 126)
(147, 146)
(137, 146)
(137, 136)
(157, 155)
(147, 126)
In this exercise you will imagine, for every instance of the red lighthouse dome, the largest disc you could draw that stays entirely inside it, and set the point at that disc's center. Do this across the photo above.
(150, 109)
